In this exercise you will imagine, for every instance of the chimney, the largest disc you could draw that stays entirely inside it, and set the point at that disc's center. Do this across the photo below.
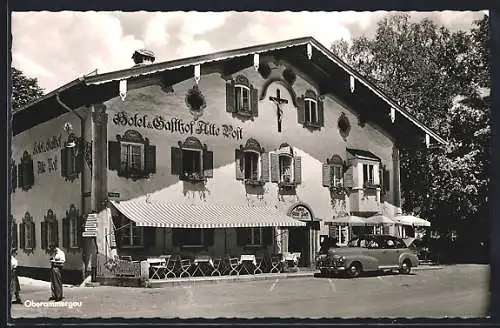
(143, 57)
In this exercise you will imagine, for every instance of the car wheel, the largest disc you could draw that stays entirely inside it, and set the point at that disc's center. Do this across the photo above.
(354, 270)
(405, 267)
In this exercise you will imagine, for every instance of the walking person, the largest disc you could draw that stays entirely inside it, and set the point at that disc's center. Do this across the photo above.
(15, 288)
(57, 260)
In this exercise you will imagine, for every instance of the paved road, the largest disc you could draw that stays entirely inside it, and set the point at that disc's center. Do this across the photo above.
(454, 291)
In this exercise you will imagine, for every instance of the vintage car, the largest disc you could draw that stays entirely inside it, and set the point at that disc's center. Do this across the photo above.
(368, 253)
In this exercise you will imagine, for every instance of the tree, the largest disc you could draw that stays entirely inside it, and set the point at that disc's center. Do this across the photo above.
(424, 67)
(24, 89)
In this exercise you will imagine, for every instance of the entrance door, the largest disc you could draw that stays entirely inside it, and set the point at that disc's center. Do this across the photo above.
(298, 241)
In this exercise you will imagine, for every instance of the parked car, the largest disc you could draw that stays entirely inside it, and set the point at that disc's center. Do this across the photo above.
(368, 253)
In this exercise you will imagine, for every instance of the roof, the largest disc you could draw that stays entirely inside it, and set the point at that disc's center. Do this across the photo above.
(167, 215)
(363, 154)
(332, 73)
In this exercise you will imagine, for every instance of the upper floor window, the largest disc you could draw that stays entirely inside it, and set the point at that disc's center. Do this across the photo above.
(27, 233)
(71, 158)
(333, 172)
(366, 166)
(368, 174)
(286, 168)
(25, 172)
(191, 161)
(241, 97)
(49, 230)
(310, 110)
(252, 163)
(132, 156)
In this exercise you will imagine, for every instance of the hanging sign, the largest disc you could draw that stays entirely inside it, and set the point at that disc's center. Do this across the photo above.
(301, 213)
(90, 229)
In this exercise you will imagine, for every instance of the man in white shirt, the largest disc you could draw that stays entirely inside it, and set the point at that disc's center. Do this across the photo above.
(14, 282)
(57, 260)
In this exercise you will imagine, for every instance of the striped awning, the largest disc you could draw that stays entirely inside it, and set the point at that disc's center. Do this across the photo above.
(167, 215)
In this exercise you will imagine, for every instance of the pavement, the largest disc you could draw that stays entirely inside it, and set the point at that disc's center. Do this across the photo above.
(452, 291)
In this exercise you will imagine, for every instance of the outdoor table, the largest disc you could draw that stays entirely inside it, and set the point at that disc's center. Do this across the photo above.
(247, 263)
(202, 262)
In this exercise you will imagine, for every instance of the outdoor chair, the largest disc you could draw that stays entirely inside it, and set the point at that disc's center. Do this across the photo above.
(258, 266)
(185, 265)
(234, 263)
(170, 267)
(275, 264)
(217, 267)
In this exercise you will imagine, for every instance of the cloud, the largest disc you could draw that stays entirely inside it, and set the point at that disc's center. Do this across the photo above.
(57, 47)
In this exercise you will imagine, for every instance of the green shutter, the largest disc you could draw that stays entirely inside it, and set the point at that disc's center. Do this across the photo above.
(348, 177)
(321, 115)
(43, 231)
(264, 175)
(30, 173)
(65, 232)
(32, 227)
(114, 156)
(14, 235)
(254, 97)
(79, 230)
(230, 101)
(22, 238)
(301, 110)
(239, 162)
(297, 169)
(55, 226)
(275, 170)
(20, 177)
(208, 164)
(176, 161)
(326, 175)
(150, 159)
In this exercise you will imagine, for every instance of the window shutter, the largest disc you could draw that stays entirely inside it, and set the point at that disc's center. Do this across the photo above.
(43, 230)
(55, 226)
(177, 237)
(20, 177)
(326, 174)
(208, 237)
(239, 164)
(14, 176)
(321, 114)
(176, 161)
(241, 236)
(65, 232)
(348, 178)
(114, 157)
(14, 235)
(149, 237)
(208, 164)
(230, 101)
(22, 238)
(30, 173)
(387, 179)
(301, 110)
(64, 162)
(275, 170)
(32, 227)
(150, 159)
(267, 236)
(264, 174)
(79, 229)
(297, 169)
(254, 98)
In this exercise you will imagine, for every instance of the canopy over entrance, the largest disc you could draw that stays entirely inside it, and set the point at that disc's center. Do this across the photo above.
(166, 215)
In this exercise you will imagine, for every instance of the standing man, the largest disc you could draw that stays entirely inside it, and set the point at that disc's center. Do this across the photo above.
(14, 282)
(57, 260)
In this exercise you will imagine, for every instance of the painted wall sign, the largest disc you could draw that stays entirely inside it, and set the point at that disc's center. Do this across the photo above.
(50, 165)
(177, 125)
(47, 145)
(301, 213)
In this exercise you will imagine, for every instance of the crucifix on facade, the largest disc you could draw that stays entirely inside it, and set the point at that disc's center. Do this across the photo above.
(279, 111)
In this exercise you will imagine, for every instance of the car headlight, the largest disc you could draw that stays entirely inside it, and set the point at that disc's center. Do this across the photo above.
(340, 259)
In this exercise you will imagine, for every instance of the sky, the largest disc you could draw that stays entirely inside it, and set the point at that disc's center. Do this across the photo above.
(58, 47)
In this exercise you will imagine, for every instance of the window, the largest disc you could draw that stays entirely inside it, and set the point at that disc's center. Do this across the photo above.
(73, 233)
(72, 228)
(343, 235)
(251, 165)
(193, 237)
(333, 172)
(130, 234)
(368, 175)
(25, 172)
(242, 98)
(254, 236)
(27, 233)
(311, 107)
(131, 157)
(285, 168)
(49, 230)
(191, 162)
(337, 176)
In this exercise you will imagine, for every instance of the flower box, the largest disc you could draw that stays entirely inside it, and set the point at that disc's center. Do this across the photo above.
(193, 177)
